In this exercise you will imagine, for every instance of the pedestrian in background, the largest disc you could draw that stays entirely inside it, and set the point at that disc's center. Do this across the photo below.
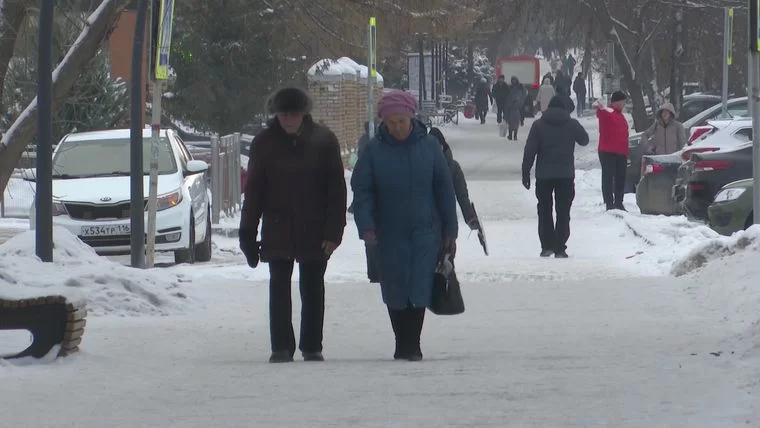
(297, 190)
(513, 106)
(545, 93)
(613, 149)
(666, 135)
(405, 204)
(551, 145)
(482, 97)
(460, 183)
(500, 91)
(579, 87)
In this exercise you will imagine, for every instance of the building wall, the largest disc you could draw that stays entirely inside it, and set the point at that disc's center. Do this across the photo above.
(120, 51)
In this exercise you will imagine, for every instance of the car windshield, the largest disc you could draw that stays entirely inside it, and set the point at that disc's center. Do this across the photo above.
(107, 157)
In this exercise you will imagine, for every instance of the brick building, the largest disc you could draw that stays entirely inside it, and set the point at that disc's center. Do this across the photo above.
(339, 91)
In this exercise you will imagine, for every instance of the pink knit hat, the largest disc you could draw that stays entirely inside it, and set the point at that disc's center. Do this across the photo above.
(397, 102)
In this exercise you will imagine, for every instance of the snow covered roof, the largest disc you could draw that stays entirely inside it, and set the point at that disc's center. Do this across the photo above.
(339, 67)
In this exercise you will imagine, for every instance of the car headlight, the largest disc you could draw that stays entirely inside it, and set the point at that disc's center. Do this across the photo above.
(726, 195)
(168, 200)
(59, 209)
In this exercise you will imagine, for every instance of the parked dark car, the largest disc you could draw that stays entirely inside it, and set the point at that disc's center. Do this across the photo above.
(654, 191)
(705, 174)
(732, 209)
(737, 107)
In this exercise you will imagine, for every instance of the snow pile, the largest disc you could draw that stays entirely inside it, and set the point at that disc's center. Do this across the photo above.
(719, 248)
(80, 274)
(722, 276)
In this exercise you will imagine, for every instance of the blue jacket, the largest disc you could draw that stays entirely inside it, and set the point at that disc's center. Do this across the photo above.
(403, 190)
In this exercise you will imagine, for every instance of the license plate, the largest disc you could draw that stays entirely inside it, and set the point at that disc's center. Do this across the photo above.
(109, 230)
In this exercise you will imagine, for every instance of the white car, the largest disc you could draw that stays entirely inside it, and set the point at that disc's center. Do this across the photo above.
(91, 193)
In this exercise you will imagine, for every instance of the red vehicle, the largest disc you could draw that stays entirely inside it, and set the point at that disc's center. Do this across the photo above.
(527, 69)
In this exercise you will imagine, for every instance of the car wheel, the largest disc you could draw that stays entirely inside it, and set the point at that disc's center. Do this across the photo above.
(203, 250)
(187, 255)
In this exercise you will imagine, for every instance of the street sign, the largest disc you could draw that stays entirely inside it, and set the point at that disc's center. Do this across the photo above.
(754, 25)
(163, 39)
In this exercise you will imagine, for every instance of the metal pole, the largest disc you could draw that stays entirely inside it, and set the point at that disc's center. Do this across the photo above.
(44, 197)
(755, 102)
(726, 60)
(155, 135)
(370, 81)
(137, 205)
(216, 201)
(421, 80)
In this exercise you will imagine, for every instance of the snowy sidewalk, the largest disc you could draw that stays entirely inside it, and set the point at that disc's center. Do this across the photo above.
(624, 353)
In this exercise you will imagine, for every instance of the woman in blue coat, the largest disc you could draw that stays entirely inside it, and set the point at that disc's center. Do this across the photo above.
(405, 205)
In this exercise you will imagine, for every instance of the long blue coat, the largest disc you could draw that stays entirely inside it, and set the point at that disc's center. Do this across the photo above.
(403, 190)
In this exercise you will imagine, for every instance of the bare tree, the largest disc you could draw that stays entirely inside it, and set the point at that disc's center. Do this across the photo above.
(22, 131)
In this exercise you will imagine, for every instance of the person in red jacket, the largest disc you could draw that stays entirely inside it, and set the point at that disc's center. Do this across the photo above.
(613, 149)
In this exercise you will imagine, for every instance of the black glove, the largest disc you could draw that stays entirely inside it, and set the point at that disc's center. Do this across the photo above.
(249, 246)
(526, 181)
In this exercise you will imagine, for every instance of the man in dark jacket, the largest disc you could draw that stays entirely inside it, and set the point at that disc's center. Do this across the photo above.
(500, 91)
(551, 145)
(579, 87)
(297, 190)
(562, 83)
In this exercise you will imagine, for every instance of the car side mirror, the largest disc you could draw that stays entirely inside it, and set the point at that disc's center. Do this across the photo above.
(196, 167)
(29, 174)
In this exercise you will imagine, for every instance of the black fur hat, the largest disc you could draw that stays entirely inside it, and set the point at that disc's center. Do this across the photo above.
(289, 100)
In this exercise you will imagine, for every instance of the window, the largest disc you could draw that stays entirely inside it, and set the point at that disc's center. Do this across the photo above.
(184, 154)
(92, 158)
(744, 134)
(739, 109)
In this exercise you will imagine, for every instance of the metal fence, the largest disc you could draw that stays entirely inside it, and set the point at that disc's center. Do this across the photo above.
(225, 176)
(18, 197)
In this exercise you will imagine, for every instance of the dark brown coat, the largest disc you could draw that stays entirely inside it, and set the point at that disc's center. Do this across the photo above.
(297, 189)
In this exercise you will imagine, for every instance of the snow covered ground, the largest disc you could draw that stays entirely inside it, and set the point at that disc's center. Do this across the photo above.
(653, 321)
(18, 198)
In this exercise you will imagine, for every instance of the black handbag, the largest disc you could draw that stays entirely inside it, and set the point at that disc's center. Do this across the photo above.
(447, 295)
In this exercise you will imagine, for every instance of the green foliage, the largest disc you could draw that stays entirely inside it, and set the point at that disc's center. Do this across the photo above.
(227, 57)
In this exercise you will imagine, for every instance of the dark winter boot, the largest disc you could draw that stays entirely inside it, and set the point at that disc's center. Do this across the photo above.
(397, 320)
(509, 137)
(281, 357)
(561, 254)
(312, 356)
(415, 318)
(514, 137)
(546, 253)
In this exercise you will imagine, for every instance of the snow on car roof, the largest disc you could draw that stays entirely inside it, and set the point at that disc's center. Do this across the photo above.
(109, 134)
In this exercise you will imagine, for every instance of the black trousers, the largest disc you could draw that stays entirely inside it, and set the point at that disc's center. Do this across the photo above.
(312, 287)
(499, 112)
(614, 168)
(482, 112)
(581, 102)
(555, 194)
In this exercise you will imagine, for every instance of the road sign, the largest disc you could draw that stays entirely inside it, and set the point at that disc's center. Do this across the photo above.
(163, 39)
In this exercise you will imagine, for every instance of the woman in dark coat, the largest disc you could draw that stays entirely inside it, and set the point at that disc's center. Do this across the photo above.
(460, 184)
(515, 99)
(405, 205)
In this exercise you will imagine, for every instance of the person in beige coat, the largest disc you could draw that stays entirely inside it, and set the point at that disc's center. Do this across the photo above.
(545, 94)
(666, 135)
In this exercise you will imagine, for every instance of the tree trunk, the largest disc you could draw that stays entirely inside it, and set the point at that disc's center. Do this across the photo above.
(86, 46)
(588, 48)
(640, 117)
(676, 70)
(12, 15)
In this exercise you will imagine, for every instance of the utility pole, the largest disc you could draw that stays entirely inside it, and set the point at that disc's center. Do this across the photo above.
(371, 73)
(43, 200)
(421, 81)
(137, 200)
(754, 86)
(728, 23)
(163, 14)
